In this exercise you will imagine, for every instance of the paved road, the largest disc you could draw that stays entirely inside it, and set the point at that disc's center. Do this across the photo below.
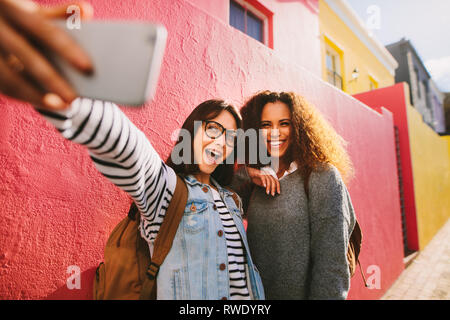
(428, 276)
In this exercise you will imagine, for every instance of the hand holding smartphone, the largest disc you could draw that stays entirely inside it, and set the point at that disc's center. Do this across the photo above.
(127, 58)
(25, 74)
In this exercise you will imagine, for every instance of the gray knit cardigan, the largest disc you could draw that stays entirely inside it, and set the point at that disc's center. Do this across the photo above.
(300, 246)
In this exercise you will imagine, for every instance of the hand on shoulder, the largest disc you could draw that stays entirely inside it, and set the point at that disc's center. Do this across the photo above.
(264, 179)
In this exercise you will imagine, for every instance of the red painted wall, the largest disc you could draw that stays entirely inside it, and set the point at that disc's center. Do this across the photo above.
(58, 210)
(394, 99)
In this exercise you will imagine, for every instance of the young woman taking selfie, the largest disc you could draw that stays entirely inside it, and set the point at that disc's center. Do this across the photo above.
(209, 258)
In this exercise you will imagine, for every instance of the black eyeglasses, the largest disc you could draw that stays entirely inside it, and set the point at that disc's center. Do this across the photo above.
(214, 130)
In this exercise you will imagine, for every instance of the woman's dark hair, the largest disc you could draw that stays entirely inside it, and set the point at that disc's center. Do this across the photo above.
(207, 110)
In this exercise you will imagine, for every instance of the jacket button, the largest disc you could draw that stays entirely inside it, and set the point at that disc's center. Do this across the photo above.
(224, 298)
(205, 189)
(214, 207)
(222, 266)
(220, 233)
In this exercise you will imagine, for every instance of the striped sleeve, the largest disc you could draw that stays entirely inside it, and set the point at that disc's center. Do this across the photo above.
(122, 153)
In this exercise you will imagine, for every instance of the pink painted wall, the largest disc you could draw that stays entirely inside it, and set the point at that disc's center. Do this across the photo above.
(393, 98)
(295, 28)
(58, 210)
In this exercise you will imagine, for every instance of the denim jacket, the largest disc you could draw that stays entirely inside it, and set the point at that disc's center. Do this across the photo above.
(197, 265)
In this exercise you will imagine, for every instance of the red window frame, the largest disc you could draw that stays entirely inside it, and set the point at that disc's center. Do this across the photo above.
(268, 14)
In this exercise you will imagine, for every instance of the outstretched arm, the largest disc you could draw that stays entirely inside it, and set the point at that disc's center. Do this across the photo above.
(122, 153)
(119, 150)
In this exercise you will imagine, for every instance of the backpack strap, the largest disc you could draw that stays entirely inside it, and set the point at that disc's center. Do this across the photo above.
(133, 213)
(235, 197)
(356, 239)
(164, 239)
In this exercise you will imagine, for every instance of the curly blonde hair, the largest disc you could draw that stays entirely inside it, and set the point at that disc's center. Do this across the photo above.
(314, 144)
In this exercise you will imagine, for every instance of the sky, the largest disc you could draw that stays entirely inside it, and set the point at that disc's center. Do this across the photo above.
(426, 23)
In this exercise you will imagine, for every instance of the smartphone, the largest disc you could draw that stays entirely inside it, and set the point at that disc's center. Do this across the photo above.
(127, 58)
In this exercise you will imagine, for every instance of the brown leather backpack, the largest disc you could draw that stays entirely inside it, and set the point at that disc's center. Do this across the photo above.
(355, 242)
(128, 272)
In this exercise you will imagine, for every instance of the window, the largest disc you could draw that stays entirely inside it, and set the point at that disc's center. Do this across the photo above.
(253, 19)
(237, 16)
(333, 65)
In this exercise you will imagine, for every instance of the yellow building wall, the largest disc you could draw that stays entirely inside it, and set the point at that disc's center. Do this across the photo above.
(354, 54)
(430, 156)
(447, 138)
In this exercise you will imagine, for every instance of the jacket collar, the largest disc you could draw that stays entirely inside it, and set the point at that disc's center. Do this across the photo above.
(190, 179)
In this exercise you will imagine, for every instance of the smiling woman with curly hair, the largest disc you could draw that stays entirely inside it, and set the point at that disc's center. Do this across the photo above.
(300, 215)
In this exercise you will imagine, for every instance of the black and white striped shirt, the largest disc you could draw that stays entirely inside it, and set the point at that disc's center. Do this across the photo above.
(124, 155)
(235, 250)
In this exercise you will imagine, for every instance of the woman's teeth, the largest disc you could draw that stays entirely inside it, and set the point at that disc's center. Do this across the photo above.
(276, 143)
